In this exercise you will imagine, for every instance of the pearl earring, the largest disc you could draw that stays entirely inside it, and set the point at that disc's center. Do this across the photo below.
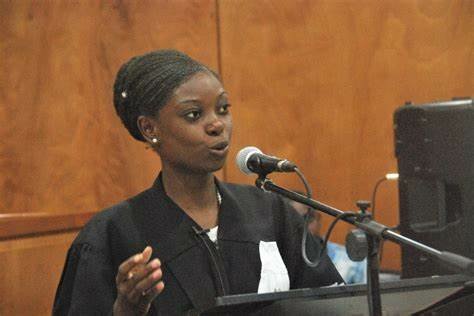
(154, 140)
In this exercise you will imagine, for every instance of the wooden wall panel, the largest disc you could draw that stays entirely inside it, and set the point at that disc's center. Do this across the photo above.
(30, 271)
(63, 147)
(317, 82)
(20, 225)
(313, 81)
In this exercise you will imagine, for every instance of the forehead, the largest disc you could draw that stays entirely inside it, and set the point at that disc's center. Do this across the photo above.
(198, 86)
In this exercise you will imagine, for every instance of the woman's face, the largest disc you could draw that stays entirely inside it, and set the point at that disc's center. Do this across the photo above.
(195, 126)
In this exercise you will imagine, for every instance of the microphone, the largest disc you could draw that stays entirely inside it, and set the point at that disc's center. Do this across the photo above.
(252, 160)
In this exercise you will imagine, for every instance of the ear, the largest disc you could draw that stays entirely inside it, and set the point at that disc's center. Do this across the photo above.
(148, 127)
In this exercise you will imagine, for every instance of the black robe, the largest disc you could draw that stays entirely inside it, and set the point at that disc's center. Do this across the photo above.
(194, 270)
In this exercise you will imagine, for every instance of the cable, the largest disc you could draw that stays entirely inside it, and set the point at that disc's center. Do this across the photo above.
(333, 224)
(307, 217)
(374, 193)
(388, 176)
(309, 192)
(218, 274)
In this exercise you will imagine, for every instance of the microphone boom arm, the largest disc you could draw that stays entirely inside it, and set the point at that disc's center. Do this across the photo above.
(374, 232)
(371, 227)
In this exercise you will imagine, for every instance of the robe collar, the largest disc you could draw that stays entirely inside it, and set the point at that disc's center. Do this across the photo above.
(231, 219)
(169, 231)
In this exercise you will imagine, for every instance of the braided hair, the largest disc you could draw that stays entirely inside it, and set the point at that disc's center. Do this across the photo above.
(145, 83)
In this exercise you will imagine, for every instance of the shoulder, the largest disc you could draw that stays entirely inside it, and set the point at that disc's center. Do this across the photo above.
(249, 194)
(265, 204)
(106, 221)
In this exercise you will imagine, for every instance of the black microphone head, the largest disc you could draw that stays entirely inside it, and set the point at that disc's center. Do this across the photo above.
(243, 156)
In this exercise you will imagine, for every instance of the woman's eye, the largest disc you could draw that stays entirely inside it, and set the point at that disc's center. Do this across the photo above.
(223, 109)
(193, 115)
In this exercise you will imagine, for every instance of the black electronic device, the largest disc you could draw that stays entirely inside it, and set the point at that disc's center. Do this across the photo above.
(434, 146)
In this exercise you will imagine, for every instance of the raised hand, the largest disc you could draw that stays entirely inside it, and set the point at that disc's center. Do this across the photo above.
(138, 283)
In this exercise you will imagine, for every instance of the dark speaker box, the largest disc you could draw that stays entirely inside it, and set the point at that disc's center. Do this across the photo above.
(434, 145)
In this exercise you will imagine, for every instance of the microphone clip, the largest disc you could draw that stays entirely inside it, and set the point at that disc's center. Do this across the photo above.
(261, 181)
(199, 232)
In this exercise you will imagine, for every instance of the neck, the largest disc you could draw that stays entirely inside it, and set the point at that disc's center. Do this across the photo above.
(191, 191)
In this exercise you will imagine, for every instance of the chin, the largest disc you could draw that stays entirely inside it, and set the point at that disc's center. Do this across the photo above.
(216, 168)
(209, 167)
(213, 166)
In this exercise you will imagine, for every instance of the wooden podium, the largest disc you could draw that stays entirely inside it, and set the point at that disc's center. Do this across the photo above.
(443, 295)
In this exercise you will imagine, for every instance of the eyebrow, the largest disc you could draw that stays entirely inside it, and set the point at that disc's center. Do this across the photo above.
(194, 100)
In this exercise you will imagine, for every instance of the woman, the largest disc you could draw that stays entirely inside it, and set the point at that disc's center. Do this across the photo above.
(189, 238)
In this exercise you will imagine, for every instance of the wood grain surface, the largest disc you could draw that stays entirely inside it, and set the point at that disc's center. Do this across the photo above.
(314, 81)
(20, 225)
(317, 82)
(63, 147)
(31, 269)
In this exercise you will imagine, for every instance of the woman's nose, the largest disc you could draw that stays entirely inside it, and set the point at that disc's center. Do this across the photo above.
(215, 126)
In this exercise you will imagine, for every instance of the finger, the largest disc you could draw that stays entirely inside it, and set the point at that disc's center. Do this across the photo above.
(141, 288)
(124, 272)
(140, 272)
(153, 292)
(126, 267)
(149, 296)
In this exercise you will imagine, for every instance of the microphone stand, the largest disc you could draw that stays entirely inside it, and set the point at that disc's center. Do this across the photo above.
(375, 232)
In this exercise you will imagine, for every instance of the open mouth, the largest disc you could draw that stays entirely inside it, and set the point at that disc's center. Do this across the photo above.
(221, 147)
